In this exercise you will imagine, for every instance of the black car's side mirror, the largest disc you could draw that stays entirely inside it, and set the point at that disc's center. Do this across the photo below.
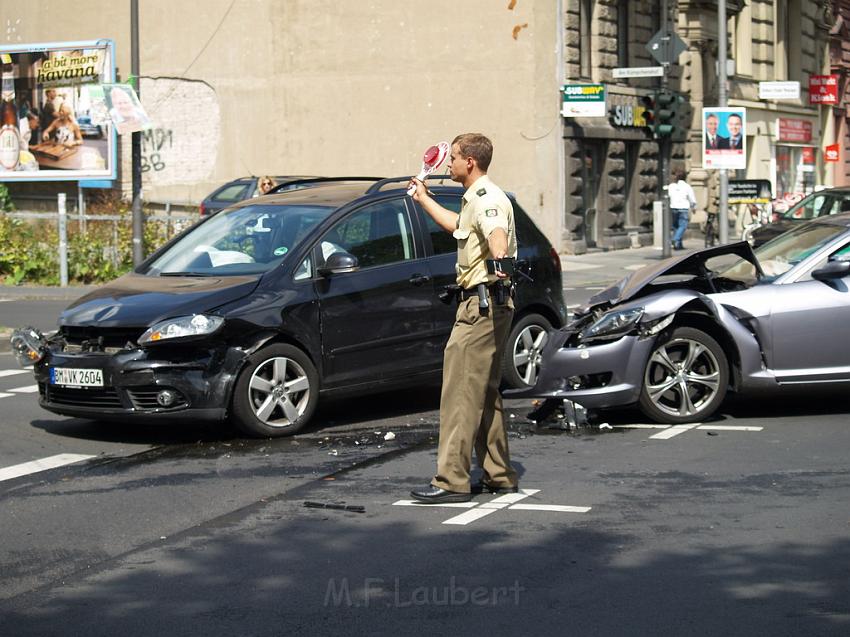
(836, 269)
(339, 263)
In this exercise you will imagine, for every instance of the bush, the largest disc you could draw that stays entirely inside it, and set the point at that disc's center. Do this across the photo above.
(99, 252)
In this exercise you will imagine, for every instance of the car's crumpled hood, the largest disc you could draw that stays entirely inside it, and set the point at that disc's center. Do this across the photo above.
(691, 263)
(138, 300)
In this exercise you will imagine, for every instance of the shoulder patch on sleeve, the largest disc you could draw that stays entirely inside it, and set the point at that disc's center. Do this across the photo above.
(481, 192)
(491, 212)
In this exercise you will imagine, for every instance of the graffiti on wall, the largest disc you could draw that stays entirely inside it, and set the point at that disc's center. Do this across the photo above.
(182, 146)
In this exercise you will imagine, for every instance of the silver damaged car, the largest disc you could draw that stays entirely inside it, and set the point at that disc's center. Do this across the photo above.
(675, 336)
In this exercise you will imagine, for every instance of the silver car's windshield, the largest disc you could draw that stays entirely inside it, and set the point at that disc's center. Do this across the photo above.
(782, 253)
(247, 240)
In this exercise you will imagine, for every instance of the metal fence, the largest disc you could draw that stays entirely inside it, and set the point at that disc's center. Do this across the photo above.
(174, 223)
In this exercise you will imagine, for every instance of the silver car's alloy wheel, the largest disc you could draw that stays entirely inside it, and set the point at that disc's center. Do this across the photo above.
(279, 392)
(682, 378)
(527, 353)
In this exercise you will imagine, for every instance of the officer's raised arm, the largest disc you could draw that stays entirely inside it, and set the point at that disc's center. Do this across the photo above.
(446, 219)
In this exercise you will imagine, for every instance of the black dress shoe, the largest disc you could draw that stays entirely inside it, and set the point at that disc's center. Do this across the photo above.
(486, 487)
(435, 495)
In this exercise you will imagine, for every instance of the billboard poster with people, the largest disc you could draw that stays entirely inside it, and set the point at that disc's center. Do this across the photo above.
(724, 139)
(55, 124)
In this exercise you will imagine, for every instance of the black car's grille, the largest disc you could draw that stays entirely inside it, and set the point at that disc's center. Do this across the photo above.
(96, 397)
(98, 338)
(145, 398)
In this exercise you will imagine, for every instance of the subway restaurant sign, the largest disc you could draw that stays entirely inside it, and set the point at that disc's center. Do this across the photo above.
(583, 100)
(628, 115)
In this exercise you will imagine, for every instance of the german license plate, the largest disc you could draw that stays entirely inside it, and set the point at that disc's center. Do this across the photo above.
(71, 377)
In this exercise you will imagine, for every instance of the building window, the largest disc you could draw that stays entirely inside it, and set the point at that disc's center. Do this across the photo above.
(623, 33)
(585, 36)
(743, 40)
(787, 17)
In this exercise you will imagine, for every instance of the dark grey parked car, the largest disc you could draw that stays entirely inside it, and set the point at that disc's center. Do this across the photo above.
(676, 336)
(819, 204)
(240, 189)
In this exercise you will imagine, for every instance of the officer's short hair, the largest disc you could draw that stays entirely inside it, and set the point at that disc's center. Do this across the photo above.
(477, 146)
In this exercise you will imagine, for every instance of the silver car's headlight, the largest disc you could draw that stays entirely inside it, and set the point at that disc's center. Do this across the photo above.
(613, 323)
(182, 327)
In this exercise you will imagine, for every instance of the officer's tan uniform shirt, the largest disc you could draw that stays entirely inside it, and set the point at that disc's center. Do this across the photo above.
(485, 207)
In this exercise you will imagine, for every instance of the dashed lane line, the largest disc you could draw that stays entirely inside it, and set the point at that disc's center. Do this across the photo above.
(5, 395)
(42, 464)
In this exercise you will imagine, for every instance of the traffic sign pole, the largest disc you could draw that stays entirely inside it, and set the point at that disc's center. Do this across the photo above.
(723, 212)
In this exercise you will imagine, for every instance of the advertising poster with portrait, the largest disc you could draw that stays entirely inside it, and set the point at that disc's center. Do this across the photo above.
(724, 138)
(125, 109)
(55, 123)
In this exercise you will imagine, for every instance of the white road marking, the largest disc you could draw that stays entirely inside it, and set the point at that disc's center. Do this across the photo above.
(550, 507)
(490, 507)
(634, 266)
(28, 389)
(13, 372)
(506, 501)
(641, 426)
(416, 503)
(675, 430)
(43, 464)
(4, 395)
(730, 428)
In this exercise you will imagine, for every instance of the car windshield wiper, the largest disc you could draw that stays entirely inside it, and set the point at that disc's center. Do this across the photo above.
(185, 274)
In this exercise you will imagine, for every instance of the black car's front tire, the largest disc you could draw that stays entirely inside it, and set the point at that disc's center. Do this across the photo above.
(522, 357)
(685, 378)
(276, 392)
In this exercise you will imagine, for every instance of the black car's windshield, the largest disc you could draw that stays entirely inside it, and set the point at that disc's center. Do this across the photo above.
(782, 253)
(248, 240)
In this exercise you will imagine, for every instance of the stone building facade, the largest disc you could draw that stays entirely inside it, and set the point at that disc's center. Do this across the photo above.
(612, 163)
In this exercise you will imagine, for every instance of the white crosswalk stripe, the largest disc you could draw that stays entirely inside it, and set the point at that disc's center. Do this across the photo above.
(14, 372)
(29, 389)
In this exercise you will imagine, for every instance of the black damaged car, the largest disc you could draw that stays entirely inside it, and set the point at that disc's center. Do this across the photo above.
(255, 312)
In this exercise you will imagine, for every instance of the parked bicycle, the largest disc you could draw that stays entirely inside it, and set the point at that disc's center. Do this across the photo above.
(711, 233)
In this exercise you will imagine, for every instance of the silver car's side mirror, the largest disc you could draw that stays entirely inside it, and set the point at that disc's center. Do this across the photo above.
(836, 269)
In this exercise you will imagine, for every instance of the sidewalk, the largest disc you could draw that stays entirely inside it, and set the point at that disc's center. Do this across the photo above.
(605, 267)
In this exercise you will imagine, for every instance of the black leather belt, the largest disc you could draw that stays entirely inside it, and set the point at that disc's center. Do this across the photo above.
(468, 293)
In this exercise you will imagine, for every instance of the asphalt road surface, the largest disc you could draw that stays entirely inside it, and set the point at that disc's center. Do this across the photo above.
(738, 526)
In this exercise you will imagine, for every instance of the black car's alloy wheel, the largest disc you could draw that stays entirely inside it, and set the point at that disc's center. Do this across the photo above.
(276, 393)
(685, 378)
(521, 363)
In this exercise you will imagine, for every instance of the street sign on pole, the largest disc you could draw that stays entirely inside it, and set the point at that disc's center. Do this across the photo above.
(638, 71)
(666, 47)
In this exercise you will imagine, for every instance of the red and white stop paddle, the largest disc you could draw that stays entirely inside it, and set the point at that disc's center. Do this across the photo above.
(433, 157)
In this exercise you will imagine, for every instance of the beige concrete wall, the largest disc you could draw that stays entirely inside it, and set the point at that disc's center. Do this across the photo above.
(330, 87)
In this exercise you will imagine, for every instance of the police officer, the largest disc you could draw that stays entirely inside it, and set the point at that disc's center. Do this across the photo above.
(470, 405)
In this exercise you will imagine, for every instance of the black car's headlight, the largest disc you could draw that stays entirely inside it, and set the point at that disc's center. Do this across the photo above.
(613, 323)
(182, 327)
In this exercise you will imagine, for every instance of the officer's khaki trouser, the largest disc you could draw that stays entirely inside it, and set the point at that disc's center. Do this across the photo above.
(470, 404)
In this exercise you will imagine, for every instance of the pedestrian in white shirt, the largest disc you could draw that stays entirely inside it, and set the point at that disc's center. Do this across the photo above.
(682, 200)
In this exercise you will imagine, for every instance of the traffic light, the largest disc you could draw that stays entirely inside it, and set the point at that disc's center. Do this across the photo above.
(670, 107)
(648, 102)
(667, 112)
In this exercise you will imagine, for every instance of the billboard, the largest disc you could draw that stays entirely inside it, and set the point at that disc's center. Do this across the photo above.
(724, 138)
(56, 125)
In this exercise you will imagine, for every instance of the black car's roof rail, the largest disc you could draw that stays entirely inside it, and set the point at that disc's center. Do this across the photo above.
(394, 180)
(314, 180)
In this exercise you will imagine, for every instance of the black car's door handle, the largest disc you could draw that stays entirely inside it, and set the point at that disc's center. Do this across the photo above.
(419, 279)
